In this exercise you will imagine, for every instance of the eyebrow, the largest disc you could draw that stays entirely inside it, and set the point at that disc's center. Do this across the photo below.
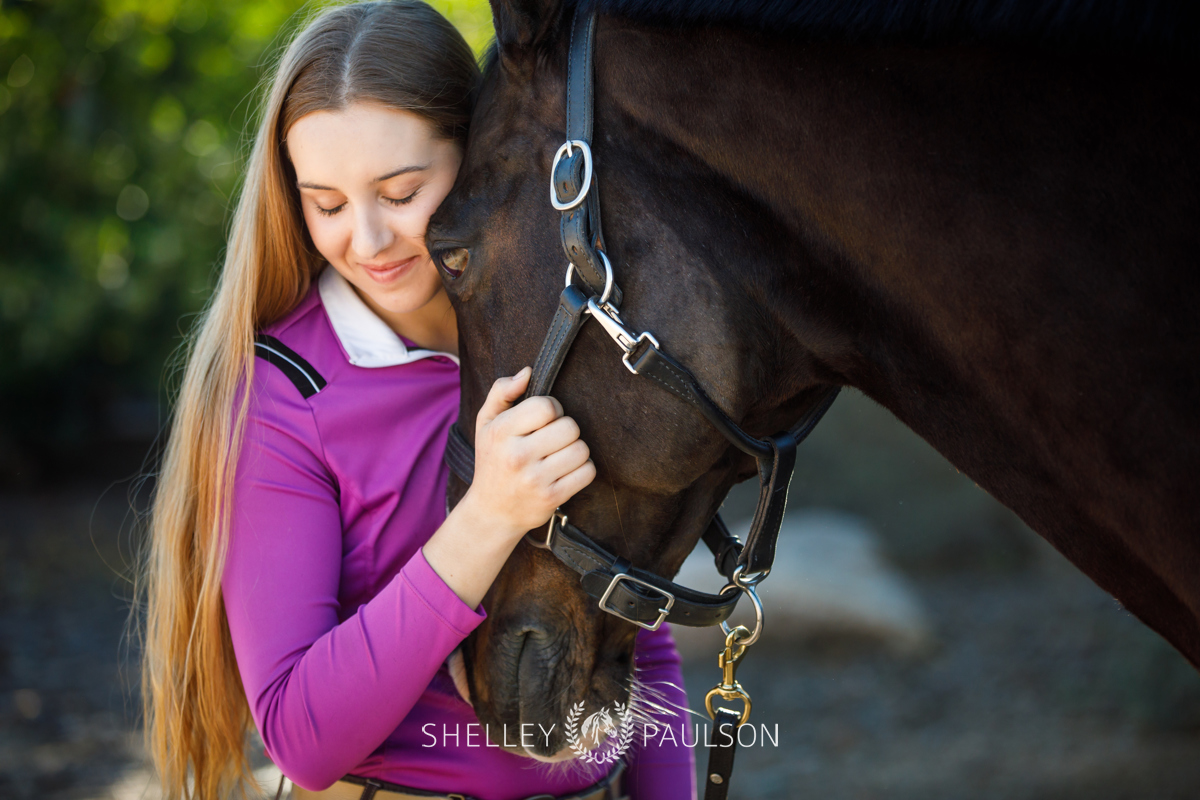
(380, 179)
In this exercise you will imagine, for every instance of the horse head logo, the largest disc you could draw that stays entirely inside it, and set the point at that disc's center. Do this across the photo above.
(598, 727)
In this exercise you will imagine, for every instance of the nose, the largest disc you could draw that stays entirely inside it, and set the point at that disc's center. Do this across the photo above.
(371, 235)
(451, 260)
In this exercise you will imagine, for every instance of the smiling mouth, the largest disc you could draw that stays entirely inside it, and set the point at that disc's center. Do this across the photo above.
(386, 273)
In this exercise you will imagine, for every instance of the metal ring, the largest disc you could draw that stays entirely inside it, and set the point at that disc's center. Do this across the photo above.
(745, 583)
(565, 150)
(758, 614)
(608, 276)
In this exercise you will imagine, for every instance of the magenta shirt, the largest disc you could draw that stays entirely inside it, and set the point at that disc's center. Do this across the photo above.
(340, 627)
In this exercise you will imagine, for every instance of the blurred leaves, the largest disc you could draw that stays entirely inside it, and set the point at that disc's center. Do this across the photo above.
(122, 125)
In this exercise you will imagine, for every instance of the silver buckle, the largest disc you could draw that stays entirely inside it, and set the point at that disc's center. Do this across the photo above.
(558, 517)
(565, 150)
(662, 612)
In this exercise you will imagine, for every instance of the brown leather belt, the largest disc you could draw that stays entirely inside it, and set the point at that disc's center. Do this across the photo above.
(355, 788)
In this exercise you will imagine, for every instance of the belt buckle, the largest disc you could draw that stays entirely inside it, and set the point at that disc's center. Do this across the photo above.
(662, 612)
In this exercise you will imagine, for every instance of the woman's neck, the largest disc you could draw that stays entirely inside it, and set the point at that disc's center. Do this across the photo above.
(433, 326)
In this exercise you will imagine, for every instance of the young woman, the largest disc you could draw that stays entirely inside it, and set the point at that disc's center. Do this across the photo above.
(302, 573)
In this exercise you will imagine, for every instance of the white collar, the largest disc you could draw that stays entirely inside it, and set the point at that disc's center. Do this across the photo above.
(366, 338)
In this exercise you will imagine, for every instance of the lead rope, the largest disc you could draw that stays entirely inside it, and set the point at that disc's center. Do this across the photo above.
(723, 740)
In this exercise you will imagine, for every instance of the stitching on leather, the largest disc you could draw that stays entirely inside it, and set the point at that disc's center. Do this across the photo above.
(557, 354)
(566, 322)
(679, 376)
(566, 554)
(670, 388)
(570, 49)
(682, 378)
(589, 32)
(552, 347)
(671, 368)
(552, 339)
(697, 400)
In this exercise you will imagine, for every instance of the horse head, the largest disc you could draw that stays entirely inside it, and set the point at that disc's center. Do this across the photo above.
(662, 469)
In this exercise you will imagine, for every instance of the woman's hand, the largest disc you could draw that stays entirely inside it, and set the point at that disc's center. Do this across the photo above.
(529, 460)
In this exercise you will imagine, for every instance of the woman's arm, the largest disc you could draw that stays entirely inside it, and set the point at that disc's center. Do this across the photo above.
(326, 692)
(323, 692)
(662, 766)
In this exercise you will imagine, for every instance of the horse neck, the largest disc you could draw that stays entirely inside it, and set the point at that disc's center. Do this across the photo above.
(963, 235)
(823, 144)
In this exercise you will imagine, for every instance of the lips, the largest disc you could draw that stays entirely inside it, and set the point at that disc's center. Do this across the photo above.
(393, 270)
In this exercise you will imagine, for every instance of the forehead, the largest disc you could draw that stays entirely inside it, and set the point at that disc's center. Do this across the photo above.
(360, 142)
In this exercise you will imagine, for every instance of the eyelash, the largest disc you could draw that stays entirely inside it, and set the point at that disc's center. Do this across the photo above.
(402, 201)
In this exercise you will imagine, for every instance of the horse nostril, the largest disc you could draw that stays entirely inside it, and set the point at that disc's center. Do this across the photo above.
(452, 260)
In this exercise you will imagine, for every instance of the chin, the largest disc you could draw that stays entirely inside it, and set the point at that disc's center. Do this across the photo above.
(406, 299)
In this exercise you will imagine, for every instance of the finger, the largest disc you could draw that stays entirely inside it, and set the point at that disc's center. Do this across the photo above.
(568, 485)
(564, 461)
(531, 414)
(552, 437)
(504, 392)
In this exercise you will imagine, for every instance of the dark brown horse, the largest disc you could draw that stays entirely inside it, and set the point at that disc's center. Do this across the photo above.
(983, 215)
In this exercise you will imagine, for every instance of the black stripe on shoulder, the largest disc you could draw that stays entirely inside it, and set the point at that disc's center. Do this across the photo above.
(297, 370)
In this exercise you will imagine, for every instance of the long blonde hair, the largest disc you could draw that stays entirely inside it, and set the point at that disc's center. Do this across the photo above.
(401, 54)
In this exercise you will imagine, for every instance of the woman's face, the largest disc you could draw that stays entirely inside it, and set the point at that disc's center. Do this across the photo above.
(369, 178)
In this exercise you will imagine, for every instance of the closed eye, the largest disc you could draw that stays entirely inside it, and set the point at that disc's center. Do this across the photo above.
(402, 201)
(328, 212)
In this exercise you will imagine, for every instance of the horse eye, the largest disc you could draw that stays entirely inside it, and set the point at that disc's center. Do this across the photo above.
(452, 261)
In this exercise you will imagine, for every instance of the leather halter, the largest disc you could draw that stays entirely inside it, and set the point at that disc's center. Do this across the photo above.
(631, 593)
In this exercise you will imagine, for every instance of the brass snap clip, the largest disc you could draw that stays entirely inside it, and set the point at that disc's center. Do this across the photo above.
(729, 688)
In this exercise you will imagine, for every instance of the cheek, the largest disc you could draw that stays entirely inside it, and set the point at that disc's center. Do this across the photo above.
(410, 222)
(426, 203)
(326, 234)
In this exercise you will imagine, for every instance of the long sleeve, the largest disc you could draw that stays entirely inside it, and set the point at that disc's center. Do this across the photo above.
(663, 764)
(323, 691)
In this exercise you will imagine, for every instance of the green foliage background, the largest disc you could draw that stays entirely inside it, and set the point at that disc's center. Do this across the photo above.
(122, 126)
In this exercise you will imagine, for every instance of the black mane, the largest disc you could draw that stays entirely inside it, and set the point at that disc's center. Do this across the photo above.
(1163, 27)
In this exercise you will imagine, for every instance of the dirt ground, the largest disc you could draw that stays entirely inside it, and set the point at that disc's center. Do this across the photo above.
(1040, 687)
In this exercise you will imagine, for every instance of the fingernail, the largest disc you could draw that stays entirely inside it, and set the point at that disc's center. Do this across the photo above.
(524, 370)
